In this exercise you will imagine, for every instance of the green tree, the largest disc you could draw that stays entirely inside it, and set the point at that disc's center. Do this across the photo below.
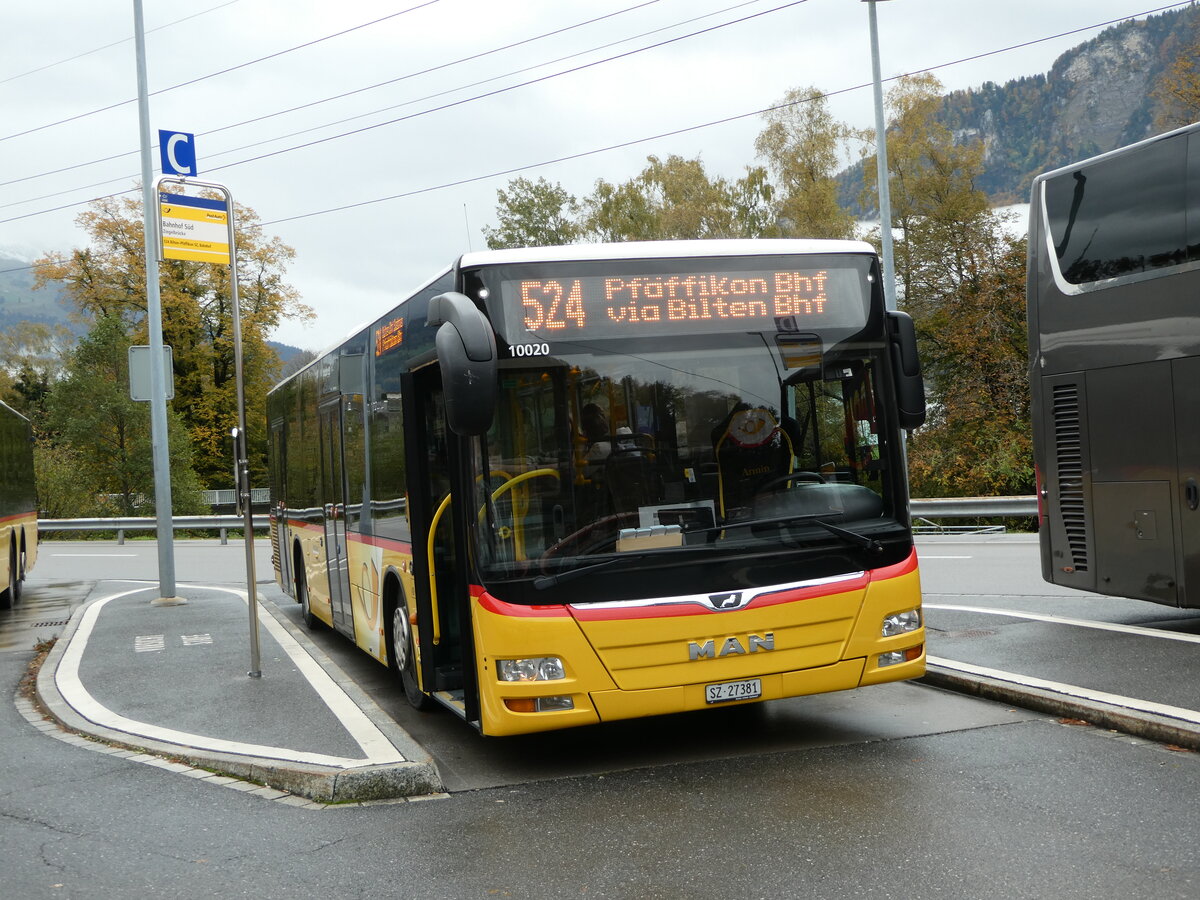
(95, 457)
(675, 199)
(961, 277)
(33, 354)
(937, 211)
(802, 147)
(533, 214)
(672, 198)
(977, 440)
(1177, 94)
(107, 280)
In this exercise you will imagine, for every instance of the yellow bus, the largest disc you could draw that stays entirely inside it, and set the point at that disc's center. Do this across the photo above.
(567, 485)
(18, 504)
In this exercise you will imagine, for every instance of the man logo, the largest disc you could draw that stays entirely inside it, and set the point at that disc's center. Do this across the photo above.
(725, 601)
(731, 646)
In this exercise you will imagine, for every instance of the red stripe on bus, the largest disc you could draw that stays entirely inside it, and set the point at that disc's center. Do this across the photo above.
(907, 567)
(376, 541)
(499, 607)
(583, 613)
(355, 537)
(670, 610)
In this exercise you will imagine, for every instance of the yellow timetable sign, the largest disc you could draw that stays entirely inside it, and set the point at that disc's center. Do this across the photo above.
(195, 228)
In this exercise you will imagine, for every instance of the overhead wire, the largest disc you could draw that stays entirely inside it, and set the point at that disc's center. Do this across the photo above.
(431, 96)
(471, 58)
(225, 71)
(85, 53)
(722, 121)
(636, 141)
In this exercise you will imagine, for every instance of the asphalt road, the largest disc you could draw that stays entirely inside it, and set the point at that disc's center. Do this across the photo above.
(897, 791)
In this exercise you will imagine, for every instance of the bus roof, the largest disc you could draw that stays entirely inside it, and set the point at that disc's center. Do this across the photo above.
(624, 250)
(660, 250)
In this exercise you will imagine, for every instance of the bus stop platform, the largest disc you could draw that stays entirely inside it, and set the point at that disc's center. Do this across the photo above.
(173, 680)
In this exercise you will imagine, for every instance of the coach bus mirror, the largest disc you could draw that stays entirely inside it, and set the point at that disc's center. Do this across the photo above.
(906, 367)
(466, 349)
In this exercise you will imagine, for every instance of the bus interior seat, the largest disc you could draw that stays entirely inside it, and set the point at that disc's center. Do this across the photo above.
(752, 448)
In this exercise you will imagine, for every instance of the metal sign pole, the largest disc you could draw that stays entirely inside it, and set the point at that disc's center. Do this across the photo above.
(881, 165)
(196, 236)
(158, 378)
(242, 441)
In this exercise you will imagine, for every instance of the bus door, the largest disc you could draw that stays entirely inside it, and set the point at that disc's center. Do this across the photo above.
(443, 602)
(280, 539)
(333, 478)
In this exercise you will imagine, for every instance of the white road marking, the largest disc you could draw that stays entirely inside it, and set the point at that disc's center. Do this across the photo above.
(1139, 630)
(375, 745)
(192, 640)
(149, 643)
(1071, 690)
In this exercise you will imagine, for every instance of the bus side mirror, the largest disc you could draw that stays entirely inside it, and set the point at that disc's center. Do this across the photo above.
(466, 350)
(906, 370)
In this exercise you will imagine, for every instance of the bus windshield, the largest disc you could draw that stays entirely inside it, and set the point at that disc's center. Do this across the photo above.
(623, 451)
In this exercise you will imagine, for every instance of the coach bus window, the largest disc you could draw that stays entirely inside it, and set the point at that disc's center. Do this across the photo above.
(1120, 216)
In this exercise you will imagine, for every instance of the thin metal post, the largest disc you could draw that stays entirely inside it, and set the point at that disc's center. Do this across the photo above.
(881, 162)
(243, 450)
(158, 377)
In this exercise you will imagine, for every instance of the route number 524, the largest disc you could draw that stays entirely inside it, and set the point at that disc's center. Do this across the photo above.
(552, 304)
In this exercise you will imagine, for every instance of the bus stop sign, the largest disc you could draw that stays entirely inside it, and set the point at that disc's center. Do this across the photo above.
(177, 152)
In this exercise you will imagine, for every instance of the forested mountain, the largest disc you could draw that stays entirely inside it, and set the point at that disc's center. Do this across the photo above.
(19, 302)
(1097, 96)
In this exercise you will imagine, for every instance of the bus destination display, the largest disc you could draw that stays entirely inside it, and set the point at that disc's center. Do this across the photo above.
(629, 305)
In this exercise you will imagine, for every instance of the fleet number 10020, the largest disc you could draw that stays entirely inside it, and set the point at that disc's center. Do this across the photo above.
(530, 349)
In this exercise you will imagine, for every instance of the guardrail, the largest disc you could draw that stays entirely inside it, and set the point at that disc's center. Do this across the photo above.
(924, 511)
(974, 507)
(941, 508)
(220, 524)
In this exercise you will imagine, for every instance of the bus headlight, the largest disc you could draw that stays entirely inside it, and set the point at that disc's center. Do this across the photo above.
(894, 657)
(539, 668)
(902, 623)
(539, 704)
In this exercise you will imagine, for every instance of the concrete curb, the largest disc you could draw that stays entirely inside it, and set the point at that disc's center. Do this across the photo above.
(417, 776)
(1135, 722)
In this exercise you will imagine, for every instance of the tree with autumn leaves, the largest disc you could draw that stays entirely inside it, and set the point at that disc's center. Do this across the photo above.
(960, 269)
(107, 283)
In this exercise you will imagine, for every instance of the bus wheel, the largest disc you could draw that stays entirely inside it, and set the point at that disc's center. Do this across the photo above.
(306, 613)
(402, 657)
(18, 587)
(9, 598)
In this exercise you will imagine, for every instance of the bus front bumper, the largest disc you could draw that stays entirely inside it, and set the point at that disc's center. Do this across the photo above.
(612, 705)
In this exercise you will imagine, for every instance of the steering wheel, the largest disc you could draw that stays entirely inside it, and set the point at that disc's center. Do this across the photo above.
(607, 527)
(816, 477)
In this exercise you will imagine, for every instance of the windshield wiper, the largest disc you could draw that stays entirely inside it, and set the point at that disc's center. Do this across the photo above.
(853, 537)
(546, 581)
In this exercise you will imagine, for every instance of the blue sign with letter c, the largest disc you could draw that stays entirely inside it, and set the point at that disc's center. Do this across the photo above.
(177, 151)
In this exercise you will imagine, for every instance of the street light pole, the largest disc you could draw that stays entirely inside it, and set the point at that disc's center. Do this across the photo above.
(158, 375)
(881, 163)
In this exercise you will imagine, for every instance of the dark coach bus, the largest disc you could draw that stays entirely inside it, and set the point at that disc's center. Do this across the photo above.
(1114, 344)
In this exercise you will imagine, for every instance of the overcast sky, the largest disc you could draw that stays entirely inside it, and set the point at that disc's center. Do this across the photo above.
(442, 115)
